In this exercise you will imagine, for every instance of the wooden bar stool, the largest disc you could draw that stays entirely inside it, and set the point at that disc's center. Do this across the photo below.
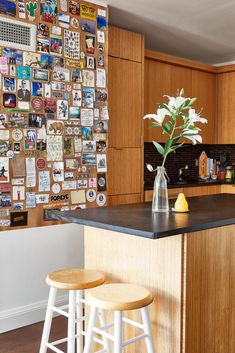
(74, 281)
(119, 297)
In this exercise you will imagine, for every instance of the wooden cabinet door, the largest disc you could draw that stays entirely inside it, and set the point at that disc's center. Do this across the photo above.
(125, 102)
(181, 77)
(226, 108)
(125, 171)
(204, 89)
(157, 84)
(126, 45)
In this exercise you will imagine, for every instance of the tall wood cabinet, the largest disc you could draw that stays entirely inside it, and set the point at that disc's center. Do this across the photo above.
(125, 150)
(166, 77)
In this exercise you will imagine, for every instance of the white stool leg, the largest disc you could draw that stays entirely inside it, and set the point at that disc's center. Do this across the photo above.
(79, 325)
(48, 320)
(147, 329)
(117, 332)
(71, 322)
(90, 332)
(103, 323)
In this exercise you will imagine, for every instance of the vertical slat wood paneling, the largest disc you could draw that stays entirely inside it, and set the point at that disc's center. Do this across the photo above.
(155, 264)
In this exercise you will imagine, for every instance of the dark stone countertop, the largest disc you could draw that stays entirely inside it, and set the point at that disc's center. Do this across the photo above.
(137, 219)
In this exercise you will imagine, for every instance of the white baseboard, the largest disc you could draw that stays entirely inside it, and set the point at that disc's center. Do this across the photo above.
(26, 315)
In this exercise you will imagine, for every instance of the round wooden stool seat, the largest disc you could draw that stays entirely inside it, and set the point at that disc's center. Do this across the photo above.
(75, 279)
(119, 296)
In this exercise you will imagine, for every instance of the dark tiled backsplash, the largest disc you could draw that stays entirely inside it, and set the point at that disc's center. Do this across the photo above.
(188, 154)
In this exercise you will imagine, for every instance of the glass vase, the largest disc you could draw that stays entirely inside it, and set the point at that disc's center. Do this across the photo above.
(160, 194)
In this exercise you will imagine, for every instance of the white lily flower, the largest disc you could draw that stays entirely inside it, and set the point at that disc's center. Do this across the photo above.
(194, 117)
(176, 102)
(191, 131)
(159, 117)
(149, 167)
(194, 139)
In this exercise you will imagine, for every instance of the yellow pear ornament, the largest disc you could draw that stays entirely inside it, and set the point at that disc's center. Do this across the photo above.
(181, 204)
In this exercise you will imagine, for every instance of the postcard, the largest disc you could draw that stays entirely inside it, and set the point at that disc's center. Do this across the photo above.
(37, 120)
(88, 12)
(62, 109)
(30, 172)
(77, 98)
(42, 198)
(4, 170)
(71, 44)
(74, 7)
(30, 199)
(74, 113)
(43, 30)
(8, 8)
(18, 166)
(76, 75)
(47, 62)
(9, 84)
(89, 146)
(14, 56)
(101, 182)
(100, 126)
(18, 193)
(87, 117)
(50, 105)
(30, 139)
(5, 199)
(90, 44)
(56, 45)
(31, 59)
(89, 158)
(101, 163)
(41, 75)
(69, 185)
(87, 133)
(58, 171)
(78, 196)
(88, 78)
(23, 92)
(61, 74)
(54, 148)
(55, 127)
(87, 26)
(9, 100)
(48, 10)
(44, 181)
(88, 97)
(71, 164)
(101, 78)
(3, 65)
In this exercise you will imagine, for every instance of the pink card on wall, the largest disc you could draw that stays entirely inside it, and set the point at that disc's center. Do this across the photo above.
(3, 65)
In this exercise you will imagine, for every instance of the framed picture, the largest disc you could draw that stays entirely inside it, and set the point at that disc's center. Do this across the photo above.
(41, 75)
(90, 62)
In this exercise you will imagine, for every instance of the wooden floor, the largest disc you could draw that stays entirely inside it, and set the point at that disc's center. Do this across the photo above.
(27, 339)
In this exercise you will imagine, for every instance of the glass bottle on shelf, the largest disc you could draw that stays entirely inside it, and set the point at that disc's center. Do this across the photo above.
(160, 195)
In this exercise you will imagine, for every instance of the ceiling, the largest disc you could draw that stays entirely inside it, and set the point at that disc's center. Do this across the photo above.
(202, 30)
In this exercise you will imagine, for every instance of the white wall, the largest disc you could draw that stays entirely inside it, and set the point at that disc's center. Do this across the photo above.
(26, 256)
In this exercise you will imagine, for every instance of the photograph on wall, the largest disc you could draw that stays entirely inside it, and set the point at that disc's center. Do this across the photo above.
(37, 89)
(8, 8)
(30, 139)
(71, 164)
(68, 146)
(74, 113)
(23, 92)
(74, 7)
(76, 98)
(101, 146)
(41, 75)
(42, 30)
(9, 84)
(88, 97)
(56, 45)
(89, 146)
(90, 62)
(5, 199)
(31, 59)
(55, 127)
(90, 44)
(101, 163)
(62, 109)
(50, 105)
(76, 75)
(48, 10)
(63, 20)
(14, 56)
(87, 133)
(89, 158)
(37, 120)
(100, 126)
(24, 72)
(61, 74)
(47, 62)
(88, 78)
(43, 45)
(87, 26)
(4, 170)
(71, 44)
(58, 171)
(9, 100)
(58, 86)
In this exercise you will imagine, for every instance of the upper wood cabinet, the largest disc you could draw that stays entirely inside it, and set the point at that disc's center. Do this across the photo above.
(204, 89)
(125, 103)
(226, 108)
(157, 82)
(126, 45)
(163, 78)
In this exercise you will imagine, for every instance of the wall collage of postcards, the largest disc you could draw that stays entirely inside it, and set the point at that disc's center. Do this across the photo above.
(53, 111)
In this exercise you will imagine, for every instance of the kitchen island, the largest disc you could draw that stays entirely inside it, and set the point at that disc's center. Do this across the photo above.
(186, 260)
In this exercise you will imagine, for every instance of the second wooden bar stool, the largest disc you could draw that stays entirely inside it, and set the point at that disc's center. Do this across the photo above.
(74, 280)
(119, 297)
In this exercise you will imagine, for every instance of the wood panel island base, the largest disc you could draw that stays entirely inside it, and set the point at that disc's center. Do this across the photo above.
(186, 260)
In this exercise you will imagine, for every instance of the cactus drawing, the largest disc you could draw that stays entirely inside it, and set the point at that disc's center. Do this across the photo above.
(31, 8)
